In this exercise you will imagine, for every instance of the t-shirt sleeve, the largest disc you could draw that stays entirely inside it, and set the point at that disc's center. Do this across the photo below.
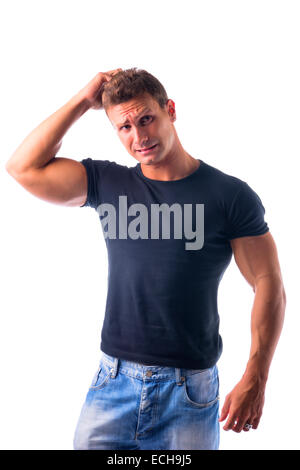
(94, 170)
(246, 214)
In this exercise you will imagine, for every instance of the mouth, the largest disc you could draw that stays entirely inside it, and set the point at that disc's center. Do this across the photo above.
(147, 150)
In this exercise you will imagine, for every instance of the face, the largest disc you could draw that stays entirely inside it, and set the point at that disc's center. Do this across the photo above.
(141, 123)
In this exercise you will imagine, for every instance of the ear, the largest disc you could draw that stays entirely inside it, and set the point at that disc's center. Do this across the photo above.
(171, 109)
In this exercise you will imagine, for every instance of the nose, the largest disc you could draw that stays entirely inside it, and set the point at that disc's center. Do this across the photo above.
(140, 139)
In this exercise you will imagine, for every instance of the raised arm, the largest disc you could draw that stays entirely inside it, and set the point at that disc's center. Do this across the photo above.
(34, 164)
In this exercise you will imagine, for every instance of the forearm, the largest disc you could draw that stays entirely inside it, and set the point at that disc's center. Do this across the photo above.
(41, 145)
(266, 324)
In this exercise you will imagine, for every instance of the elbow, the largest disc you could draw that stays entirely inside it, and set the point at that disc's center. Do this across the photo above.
(283, 295)
(8, 167)
(281, 291)
(14, 169)
(11, 171)
(271, 287)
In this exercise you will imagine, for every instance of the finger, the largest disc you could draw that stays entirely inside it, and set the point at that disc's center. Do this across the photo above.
(240, 424)
(109, 75)
(113, 72)
(225, 410)
(247, 422)
(255, 423)
(230, 423)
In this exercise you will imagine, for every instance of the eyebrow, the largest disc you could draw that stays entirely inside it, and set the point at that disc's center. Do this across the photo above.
(147, 110)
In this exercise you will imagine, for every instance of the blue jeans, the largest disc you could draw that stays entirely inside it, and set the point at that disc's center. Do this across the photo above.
(138, 407)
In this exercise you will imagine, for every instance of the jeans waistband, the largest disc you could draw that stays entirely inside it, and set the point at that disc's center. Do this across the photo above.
(147, 372)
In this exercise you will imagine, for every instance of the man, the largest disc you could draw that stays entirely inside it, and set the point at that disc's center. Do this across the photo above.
(171, 224)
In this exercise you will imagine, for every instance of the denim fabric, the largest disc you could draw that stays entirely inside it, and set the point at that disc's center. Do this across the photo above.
(138, 407)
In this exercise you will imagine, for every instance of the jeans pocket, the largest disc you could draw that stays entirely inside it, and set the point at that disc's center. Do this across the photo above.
(201, 389)
(101, 377)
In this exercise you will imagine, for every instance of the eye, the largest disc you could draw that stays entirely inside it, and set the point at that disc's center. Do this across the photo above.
(146, 117)
(142, 119)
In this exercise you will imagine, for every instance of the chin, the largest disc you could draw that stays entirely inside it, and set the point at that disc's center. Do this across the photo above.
(151, 159)
(148, 159)
(144, 159)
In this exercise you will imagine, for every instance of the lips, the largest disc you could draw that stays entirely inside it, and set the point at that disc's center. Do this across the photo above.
(147, 149)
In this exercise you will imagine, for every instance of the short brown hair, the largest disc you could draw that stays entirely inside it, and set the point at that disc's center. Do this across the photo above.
(131, 83)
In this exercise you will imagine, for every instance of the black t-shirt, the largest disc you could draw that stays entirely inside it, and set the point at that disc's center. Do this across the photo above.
(168, 248)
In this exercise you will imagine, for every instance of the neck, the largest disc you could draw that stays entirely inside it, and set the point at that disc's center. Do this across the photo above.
(177, 164)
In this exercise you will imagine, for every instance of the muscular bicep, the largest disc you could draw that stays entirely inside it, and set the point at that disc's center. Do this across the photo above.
(62, 181)
(256, 257)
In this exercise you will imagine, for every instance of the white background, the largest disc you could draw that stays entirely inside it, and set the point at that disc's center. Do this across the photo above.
(232, 68)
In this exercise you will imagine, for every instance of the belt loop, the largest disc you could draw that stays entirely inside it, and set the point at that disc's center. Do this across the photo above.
(179, 378)
(114, 370)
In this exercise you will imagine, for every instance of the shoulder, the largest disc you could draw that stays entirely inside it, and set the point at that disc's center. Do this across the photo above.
(104, 166)
(224, 184)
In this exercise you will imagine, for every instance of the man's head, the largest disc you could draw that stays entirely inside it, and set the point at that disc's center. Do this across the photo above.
(138, 107)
